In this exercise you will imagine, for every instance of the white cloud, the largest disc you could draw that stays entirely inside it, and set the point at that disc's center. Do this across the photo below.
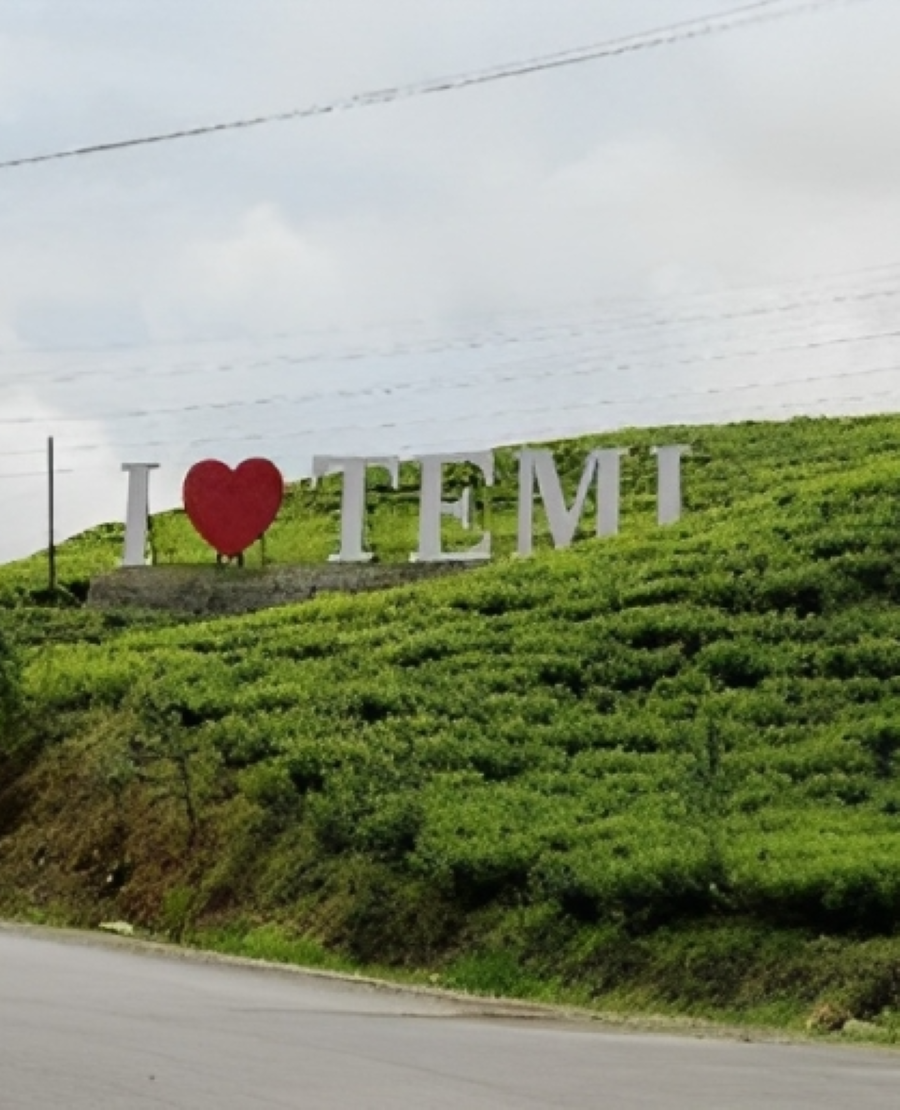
(754, 158)
(265, 272)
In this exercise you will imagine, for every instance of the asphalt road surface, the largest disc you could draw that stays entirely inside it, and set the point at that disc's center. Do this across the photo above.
(86, 1027)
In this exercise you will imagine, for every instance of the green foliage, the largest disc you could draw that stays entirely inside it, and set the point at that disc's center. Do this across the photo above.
(692, 724)
(9, 683)
(12, 742)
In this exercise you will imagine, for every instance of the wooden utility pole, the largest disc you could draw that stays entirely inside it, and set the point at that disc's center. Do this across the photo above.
(51, 515)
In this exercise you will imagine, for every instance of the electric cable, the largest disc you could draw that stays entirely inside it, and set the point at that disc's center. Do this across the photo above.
(759, 12)
(619, 304)
(584, 405)
(650, 319)
(282, 400)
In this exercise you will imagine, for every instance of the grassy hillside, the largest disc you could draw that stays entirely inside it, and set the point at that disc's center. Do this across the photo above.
(661, 770)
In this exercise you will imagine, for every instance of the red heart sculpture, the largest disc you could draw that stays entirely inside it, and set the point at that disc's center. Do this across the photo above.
(231, 509)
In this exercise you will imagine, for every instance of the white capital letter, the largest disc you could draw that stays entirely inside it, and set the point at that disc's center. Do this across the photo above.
(669, 494)
(353, 502)
(137, 513)
(432, 508)
(540, 466)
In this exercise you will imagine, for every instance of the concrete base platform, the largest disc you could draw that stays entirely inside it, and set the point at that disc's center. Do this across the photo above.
(230, 590)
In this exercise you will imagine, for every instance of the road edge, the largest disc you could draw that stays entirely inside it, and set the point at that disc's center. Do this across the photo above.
(471, 1005)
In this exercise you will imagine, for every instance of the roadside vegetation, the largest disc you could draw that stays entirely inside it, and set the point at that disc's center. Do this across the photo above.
(654, 773)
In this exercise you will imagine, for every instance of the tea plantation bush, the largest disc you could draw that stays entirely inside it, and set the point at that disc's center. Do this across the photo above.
(697, 724)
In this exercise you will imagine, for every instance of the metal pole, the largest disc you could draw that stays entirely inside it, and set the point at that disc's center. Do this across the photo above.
(51, 508)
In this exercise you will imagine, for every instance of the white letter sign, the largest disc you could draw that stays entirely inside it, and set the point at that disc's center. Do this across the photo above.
(669, 462)
(353, 503)
(433, 508)
(539, 480)
(540, 466)
(137, 513)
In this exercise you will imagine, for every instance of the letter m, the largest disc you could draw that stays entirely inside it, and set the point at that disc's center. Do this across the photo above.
(538, 468)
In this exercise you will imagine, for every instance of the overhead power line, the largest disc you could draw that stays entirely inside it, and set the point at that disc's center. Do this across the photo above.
(761, 11)
(592, 361)
(583, 364)
(629, 308)
(500, 337)
(771, 409)
(607, 404)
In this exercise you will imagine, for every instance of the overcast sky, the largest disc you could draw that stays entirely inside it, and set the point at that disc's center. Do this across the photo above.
(698, 232)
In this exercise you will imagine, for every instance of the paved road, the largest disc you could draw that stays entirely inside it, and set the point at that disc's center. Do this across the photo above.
(96, 1028)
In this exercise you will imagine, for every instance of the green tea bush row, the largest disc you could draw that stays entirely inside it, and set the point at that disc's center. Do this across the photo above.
(694, 720)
